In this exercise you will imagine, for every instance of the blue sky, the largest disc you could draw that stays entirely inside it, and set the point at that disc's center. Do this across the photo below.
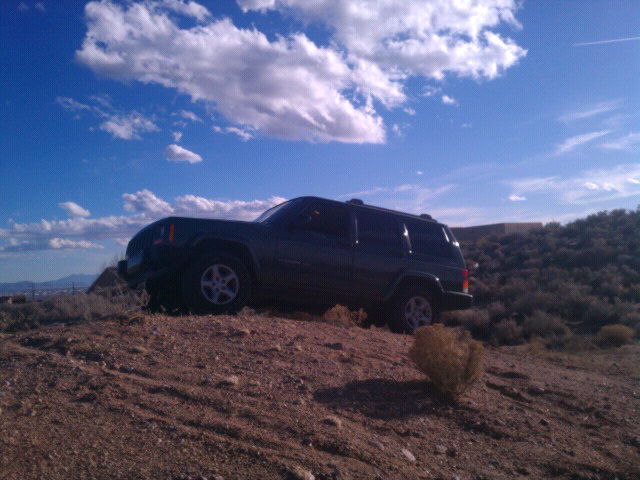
(115, 114)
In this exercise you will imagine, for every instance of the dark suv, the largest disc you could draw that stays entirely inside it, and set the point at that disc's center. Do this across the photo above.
(403, 269)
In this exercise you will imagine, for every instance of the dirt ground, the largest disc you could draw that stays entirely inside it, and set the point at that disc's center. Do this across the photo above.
(249, 397)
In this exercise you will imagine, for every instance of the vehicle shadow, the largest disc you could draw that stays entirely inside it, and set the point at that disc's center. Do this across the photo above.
(385, 399)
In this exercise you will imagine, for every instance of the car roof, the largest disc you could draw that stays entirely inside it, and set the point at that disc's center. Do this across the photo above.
(359, 204)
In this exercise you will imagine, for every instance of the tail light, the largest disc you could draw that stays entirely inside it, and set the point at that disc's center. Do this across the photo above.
(465, 280)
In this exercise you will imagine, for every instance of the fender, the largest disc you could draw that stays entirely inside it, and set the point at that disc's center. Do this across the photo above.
(233, 245)
(415, 276)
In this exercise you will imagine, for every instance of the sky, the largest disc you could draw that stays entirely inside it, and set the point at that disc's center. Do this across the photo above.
(118, 113)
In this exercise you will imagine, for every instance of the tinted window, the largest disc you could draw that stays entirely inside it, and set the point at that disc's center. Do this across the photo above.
(427, 238)
(325, 218)
(377, 232)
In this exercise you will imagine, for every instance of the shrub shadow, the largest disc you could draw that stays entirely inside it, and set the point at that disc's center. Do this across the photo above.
(384, 399)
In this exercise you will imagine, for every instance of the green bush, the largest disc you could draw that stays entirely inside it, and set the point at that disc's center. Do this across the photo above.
(449, 357)
(614, 335)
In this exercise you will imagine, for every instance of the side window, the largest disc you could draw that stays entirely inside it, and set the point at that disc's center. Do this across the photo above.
(377, 232)
(427, 238)
(325, 218)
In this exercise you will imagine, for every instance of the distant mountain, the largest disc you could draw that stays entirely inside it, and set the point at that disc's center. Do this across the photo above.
(78, 281)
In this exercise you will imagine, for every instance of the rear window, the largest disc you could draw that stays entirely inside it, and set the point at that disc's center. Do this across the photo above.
(428, 238)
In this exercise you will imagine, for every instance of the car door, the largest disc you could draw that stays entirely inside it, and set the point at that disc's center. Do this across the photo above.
(314, 251)
(379, 256)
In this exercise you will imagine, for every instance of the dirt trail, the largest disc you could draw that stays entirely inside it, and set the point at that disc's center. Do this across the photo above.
(255, 397)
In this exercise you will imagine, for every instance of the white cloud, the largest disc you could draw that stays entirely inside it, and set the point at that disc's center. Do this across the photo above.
(289, 87)
(175, 153)
(447, 100)
(243, 134)
(591, 186)
(517, 198)
(189, 116)
(142, 207)
(66, 244)
(74, 210)
(627, 143)
(591, 111)
(572, 143)
(146, 202)
(128, 127)
(177, 136)
(40, 6)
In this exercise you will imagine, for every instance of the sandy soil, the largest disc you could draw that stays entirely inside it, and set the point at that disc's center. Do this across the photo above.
(254, 397)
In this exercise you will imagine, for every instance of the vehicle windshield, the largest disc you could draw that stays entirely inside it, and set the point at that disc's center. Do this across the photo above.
(269, 216)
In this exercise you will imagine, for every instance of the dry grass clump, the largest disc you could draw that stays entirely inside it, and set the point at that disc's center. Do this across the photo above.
(67, 309)
(341, 315)
(614, 335)
(449, 357)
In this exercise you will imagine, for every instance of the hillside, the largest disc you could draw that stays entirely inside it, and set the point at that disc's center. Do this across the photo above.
(585, 274)
(237, 397)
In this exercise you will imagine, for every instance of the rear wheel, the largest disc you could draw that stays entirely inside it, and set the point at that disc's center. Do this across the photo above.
(414, 307)
(218, 283)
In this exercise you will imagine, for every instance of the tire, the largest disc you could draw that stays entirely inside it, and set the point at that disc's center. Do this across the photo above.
(216, 283)
(414, 306)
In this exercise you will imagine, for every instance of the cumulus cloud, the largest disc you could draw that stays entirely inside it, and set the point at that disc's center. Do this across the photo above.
(74, 210)
(128, 127)
(175, 153)
(447, 100)
(287, 86)
(142, 207)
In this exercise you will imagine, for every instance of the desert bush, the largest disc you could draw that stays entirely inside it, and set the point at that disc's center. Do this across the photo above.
(67, 309)
(341, 315)
(544, 325)
(507, 332)
(474, 320)
(449, 357)
(614, 335)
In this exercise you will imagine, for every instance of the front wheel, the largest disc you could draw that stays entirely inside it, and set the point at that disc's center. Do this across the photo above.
(218, 283)
(414, 307)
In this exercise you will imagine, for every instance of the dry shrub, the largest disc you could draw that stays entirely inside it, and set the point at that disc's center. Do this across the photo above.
(67, 309)
(341, 315)
(449, 357)
(614, 335)
(507, 332)
(475, 320)
(544, 325)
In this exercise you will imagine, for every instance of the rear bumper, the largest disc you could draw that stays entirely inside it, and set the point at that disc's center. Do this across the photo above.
(456, 301)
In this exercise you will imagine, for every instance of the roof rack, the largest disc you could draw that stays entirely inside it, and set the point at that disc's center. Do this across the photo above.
(426, 216)
(356, 201)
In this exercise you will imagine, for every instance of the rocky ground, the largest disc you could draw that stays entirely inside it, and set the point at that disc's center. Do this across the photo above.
(247, 397)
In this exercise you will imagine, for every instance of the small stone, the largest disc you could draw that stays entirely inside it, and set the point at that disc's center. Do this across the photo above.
(334, 346)
(452, 452)
(635, 441)
(544, 422)
(332, 421)
(230, 381)
(241, 332)
(300, 473)
(297, 347)
(440, 449)
(376, 444)
(523, 471)
(410, 456)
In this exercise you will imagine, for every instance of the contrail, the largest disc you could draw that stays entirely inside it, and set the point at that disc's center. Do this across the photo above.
(600, 42)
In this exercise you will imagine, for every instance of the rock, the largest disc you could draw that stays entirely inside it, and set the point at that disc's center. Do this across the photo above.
(523, 471)
(241, 332)
(376, 444)
(299, 473)
(334, 346)
(332, 421)
(544, 422)
(635, 441)
(410, 456)
(452, 452)
(230, 381)
(440, 449)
